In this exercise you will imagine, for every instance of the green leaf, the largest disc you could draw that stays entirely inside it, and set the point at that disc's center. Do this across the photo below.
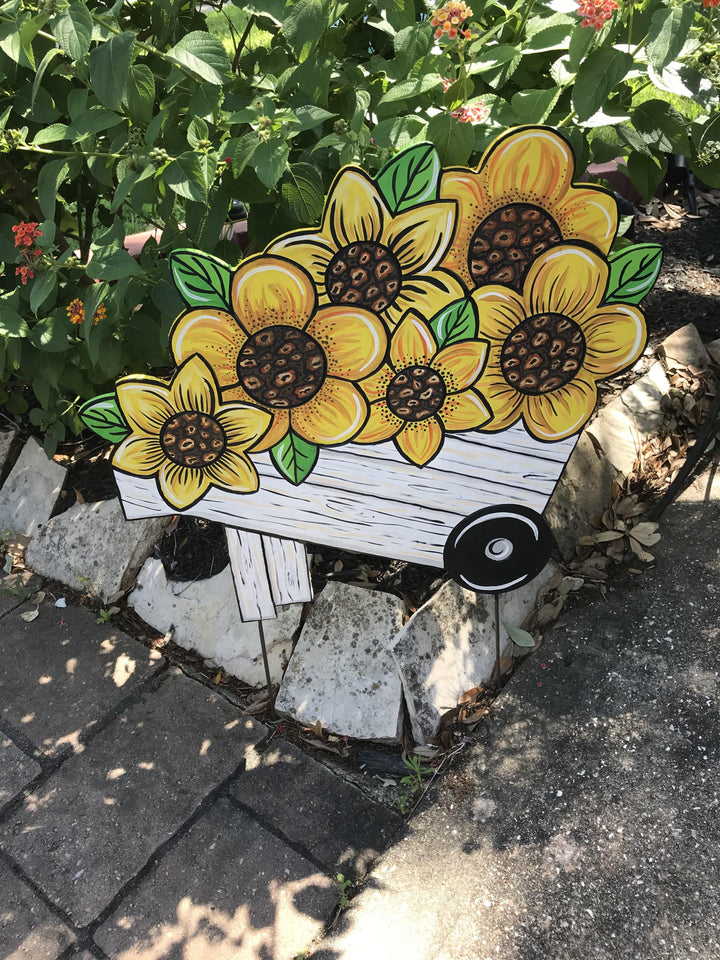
(410, 178)
(304, 24)
(408, 89)
(186, 178)
(270, 161)
(497, 64)
(667, 34)
(92, 121)
(455, 323)
(12, 324)
(311, 117)
(73, 30)
(50, 334)
(302, 190)
(534, 106)
(28, 31)
(51, 134)
(550, 33)
(128, 183)
(454, 141)
(109, 69)
(37, 82)
(241, 151)
(646, 172)
(598, 75)
(197, 131)
(51, 175)
(201, 280)
(204, 55)
(112, 264)
(633, 273)
(661, 127)
(294, 457)
(104, 417)
(140, 93)
(519, 637)
(396, 133)
(43, 286)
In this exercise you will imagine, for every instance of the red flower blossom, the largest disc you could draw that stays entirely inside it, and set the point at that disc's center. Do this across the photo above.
(448, 19)
(710, 3)
(26, 234)
(596, 12)
(471, 113)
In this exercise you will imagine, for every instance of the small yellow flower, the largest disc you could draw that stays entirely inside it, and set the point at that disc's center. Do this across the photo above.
(550, 343)
(182, 435)
(424, 391)
(280, 352)
(363, 256)
(520, 202)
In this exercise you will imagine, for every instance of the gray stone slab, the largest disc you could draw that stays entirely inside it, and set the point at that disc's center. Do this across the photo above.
(204, 616)
(63, 672)
(15, 588)
(341, 827)
(448, 647)
(28, 929)
(229, 890)
(341, 672)
(73, 547)
(684, 347)
(16, 770)
(30, 491)
(105, 812)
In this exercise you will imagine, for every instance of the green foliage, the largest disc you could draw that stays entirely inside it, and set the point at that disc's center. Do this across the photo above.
(125, 117)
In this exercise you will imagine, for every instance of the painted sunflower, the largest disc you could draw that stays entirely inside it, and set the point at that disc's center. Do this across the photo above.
(363, 256)
(553, 341)
(282, 353)
(520, 202)
(424, 391)
(185, 437)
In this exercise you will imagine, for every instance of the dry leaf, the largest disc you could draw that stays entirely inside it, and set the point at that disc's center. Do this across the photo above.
(319, 745)
(29, 615)
(639, 552)
(318, 729)
(258, 707)
(218, 677)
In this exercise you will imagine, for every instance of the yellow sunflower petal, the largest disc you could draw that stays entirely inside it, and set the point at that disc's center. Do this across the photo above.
(381, 425)
(145, 403)
(427, 295)
(464, 411)
(500, 310)
(461, 364)
(588, 214)
(566, 280)
(420, 237)
(412, 344)
(473, 206)
(334, 415)
(353, 340)
(419, 442)
(215, 336)
(354, 209)
(139, 456)
(308, 248)
(505, 402)
(193, 387)
(243, 426)
(615, 338)
(375, 387)
(233, 472)
(561, 413)
(182, 487)
(531, 164)
(267, 291)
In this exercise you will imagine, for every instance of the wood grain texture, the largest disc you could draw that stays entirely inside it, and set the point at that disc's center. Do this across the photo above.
(252, 583)
(370, 500)
(288, 570)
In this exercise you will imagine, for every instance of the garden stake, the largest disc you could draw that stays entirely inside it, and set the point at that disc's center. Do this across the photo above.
(496, 671)
(265, 658)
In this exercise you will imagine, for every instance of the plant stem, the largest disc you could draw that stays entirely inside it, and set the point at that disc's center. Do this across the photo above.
(243, 40)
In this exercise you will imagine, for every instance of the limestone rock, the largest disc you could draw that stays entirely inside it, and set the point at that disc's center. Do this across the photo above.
(28, 496)
(684, 348)
(448, 647)
(205, 617)
(6, 442)
(713, 349)
(342, 672)
(92, 545)
(625, 423)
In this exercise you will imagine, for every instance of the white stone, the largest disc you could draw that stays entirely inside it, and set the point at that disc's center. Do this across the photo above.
(204, 617)
(713, 349)
(93, 547)
(622, 427)
(342, 672)
(448, 647)
(684, 347)
(28, 496)
(6, 441)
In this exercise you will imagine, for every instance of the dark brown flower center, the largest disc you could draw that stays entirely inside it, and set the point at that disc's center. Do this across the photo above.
(282, 367)
(416, 393)
(543, 353)
(365, 274)
(506, 243)
(192, 439)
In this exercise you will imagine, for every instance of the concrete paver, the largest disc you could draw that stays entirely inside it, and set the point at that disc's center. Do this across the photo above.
(63, 672)
(16, 770)
(104, 813)
(342, 828)
(28, 929)
(229, 890)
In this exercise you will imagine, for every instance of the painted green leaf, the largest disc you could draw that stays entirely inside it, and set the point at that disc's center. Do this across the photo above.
(104, 417)
(201, 280)
(633, 273)
(294, 457)
(410, 178)
(456, 322)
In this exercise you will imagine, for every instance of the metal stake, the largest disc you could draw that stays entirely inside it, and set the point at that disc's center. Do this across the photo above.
(496, 671)
(265, 659)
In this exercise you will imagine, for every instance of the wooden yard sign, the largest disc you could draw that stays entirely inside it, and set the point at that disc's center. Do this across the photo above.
(408, 379)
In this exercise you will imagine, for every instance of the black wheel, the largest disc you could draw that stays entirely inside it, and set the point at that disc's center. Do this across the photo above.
(498, 549)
